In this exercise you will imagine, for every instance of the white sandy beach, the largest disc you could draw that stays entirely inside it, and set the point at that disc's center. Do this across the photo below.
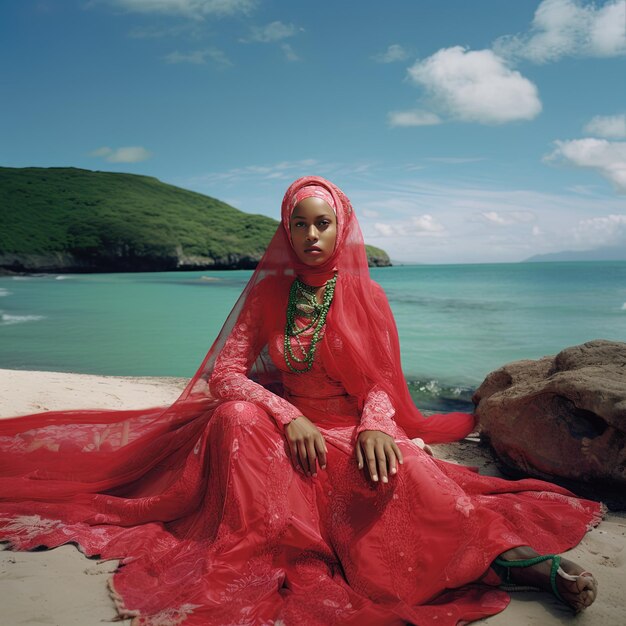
(64, 588)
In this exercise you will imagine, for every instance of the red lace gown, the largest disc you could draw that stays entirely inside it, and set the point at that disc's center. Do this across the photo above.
(223, 530)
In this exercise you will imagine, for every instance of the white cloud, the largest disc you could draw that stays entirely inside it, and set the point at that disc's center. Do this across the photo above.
(289, 52)
(504, 218)
(199, 57)
(130, 154)
(608, 158)
(395, 52)
(609, 230)
(608, 30)
(414, 117)
(563, 28)
(426, 224)
(283, 170)
(275, 31)
(385, 230)
(476, 86)
(195, 9)
(421, 225)
(610, 126)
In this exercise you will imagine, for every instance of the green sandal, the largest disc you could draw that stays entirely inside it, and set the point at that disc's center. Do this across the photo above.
(505, 567)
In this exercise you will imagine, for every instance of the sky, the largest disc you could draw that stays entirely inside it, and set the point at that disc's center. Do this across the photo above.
(463, 132)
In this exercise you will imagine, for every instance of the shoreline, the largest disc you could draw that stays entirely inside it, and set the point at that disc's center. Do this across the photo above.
(429, 394)
(34, 585)
(6, 272)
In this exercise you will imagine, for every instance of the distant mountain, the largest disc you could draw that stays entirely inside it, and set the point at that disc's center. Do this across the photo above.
(608, 253)
(75, 220)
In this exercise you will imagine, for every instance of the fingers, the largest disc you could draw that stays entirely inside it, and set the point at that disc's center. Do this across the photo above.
(381, 460)
(393, 458)
(381, 455)
(295, 458)
(307, 446)
(397, 452)
(320, 446)
(370, 457)
(316, 454)
(303, 457)
(359, 456)
(312, 457)
(376, 461)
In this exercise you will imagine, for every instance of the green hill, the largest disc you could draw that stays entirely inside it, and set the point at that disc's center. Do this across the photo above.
(68, 219)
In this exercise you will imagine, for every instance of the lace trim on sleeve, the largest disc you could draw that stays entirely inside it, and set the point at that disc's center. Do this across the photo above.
(229, 380)
(378, 412)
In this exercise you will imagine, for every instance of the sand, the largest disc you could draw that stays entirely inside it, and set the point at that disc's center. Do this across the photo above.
(62, 587)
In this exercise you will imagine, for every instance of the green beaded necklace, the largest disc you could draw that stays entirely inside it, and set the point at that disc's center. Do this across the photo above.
(302, 301)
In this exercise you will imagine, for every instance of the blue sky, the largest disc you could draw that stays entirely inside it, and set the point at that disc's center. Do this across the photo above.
(480, 131)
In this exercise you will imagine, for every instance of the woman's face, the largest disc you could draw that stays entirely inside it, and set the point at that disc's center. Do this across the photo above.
(313, 227)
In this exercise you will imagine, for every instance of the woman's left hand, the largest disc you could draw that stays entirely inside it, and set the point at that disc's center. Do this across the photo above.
(380, 452)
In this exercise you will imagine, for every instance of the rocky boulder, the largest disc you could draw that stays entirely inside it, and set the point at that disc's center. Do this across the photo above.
(561, 418)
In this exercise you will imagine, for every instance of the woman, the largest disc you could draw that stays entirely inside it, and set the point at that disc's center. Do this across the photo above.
(282, 486)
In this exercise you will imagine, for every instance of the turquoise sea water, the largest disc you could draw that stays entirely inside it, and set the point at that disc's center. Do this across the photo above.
(456, 322)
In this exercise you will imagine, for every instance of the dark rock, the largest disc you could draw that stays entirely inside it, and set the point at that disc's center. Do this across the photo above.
(122, 261)
(561, 418)
(127, 260)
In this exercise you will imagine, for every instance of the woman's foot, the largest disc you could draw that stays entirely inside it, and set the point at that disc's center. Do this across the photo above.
(577, 587)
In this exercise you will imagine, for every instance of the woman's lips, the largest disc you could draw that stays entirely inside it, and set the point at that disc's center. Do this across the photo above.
(314, 251)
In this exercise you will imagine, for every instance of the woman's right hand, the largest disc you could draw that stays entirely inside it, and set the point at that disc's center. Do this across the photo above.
(306, 444)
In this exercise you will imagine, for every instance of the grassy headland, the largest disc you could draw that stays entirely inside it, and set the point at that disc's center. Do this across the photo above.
(68, 219)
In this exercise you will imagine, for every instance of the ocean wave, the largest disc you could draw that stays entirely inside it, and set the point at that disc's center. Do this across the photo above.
(4, 292)
(435, 395)
(45, 276)
(6, 319)
(624, 306)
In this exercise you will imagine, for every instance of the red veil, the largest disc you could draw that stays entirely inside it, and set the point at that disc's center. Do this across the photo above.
(360, 316)
(129, 483)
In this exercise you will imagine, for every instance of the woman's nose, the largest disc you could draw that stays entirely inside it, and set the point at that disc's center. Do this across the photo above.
(311, 233)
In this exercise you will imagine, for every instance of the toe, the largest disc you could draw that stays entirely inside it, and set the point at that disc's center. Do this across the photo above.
(581, 592)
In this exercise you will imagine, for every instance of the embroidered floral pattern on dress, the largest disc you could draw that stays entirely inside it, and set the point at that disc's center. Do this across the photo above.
(378, 413)
(230, 381)
(278, 479)
(29, 527)
(81, 438)
(169, 617)
(252, 584)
